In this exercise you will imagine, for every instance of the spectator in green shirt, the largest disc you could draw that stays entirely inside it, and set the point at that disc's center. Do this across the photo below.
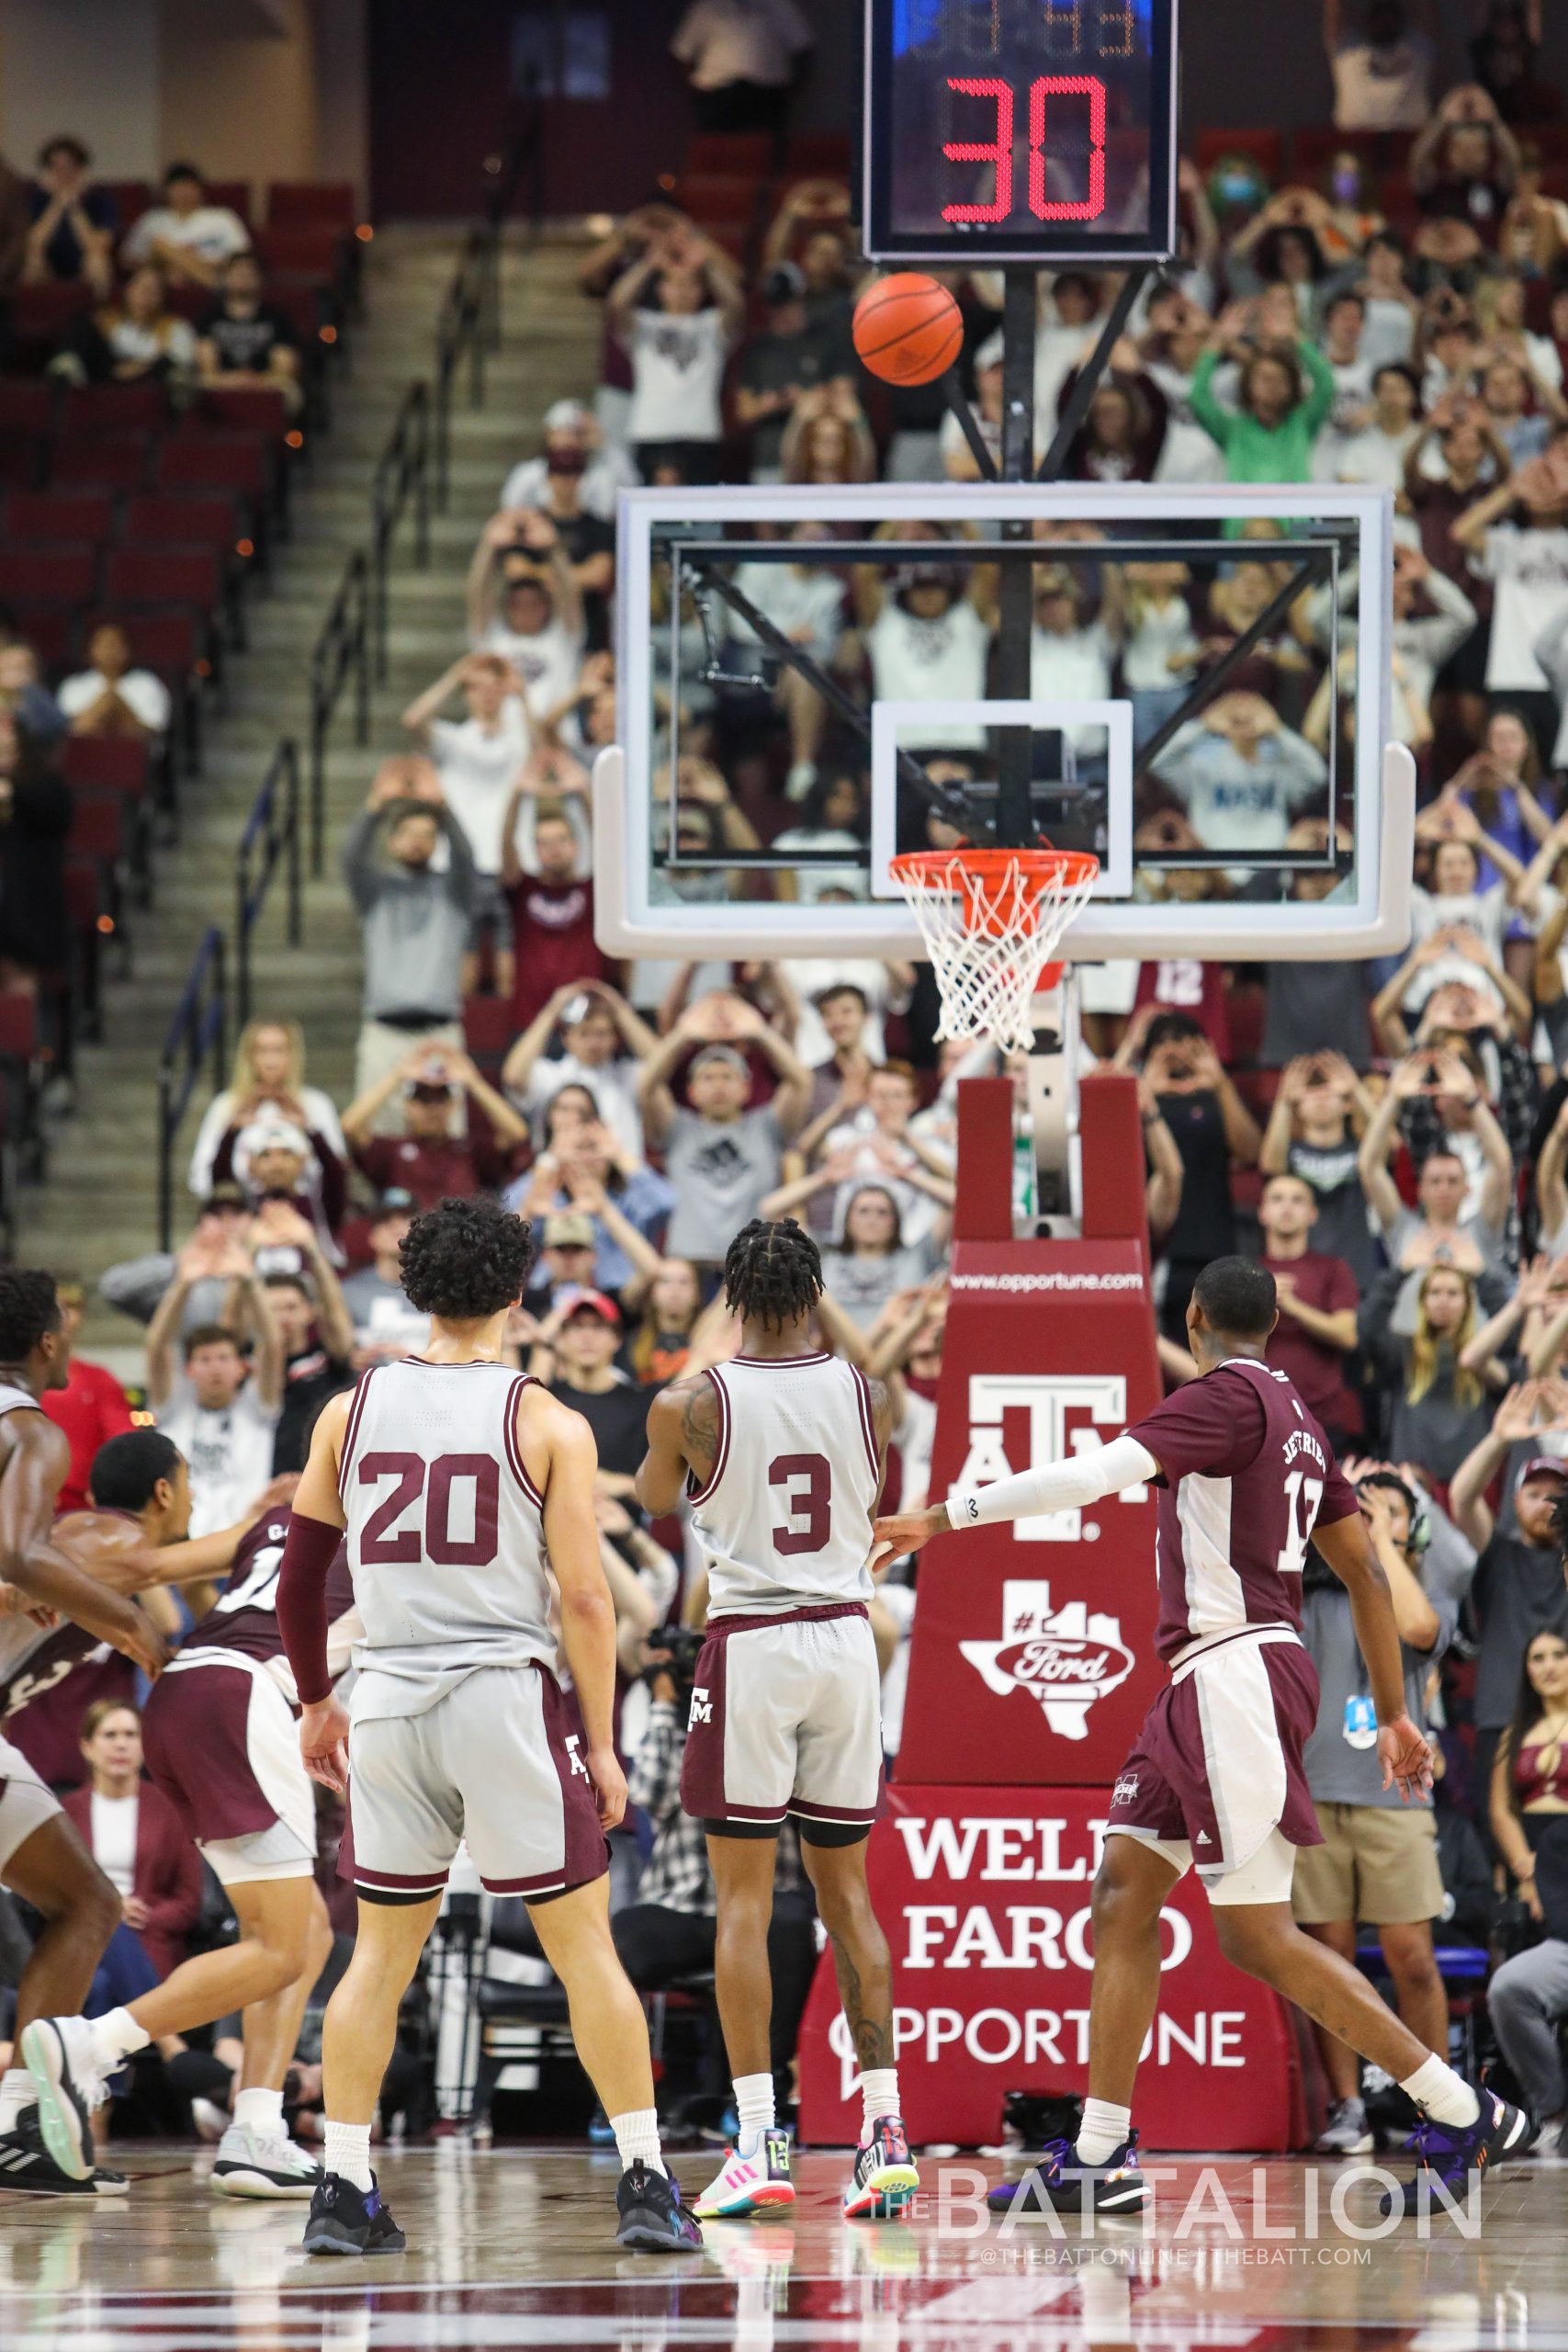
(1286, 394)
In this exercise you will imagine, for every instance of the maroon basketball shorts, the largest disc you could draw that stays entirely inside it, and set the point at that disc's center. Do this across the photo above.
(497, 1761)
(1215, 1779)
(787, 1719)
(222, 1743)
(25, 1803)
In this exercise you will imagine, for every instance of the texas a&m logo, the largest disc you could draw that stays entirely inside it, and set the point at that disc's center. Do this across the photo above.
(1064, 1658)
(573, 1741)
(702, 1707)
(1047, 1399)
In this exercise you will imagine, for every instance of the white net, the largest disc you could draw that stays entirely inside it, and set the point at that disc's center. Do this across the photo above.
(991, 922)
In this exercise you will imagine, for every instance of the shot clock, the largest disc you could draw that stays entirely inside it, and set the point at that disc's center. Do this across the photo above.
(1030, 131)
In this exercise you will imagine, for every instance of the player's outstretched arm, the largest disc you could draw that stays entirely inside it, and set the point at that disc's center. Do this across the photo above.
(315, 1531)
(1060, 1485)
(36, 1459)
(571, 1458)
(1403, 1750)
(682, 1435)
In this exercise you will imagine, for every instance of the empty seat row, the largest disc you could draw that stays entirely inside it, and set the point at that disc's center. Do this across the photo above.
(291, 203)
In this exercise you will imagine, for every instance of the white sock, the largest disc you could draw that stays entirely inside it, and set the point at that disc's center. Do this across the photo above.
(347, 2153)
(262, 2111)
(636, 2137)
(754, 2107)
(16, 2095)
(1446, 2096)
(116, 2037)
(879, 2095)
(1102, 2131)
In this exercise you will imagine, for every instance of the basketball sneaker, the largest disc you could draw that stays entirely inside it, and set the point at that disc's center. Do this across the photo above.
(750, 2184)
(27, 2165)
(61, 2057)
(885, 2177)
(654, 2217)
(1347, 2131)
(250, 2164)
(1448, 2154)
(1059, 2184)
(345, 2220)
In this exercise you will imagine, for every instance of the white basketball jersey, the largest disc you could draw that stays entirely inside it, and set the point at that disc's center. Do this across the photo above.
(446, 1533)
(19, 1637)
(785, 1518)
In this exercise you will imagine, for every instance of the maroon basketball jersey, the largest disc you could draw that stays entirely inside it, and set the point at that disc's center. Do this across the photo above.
(244, 1615)
(1247, 1476)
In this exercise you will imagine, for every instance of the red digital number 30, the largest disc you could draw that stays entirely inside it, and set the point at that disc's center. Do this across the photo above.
(999, 150)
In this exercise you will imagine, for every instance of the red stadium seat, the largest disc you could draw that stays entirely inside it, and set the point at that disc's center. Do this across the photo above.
(307, 204)
(29, 404)
(98, 826)
(156, 520)
(50, 630)
(192, 303)
(819, 154)
(21, 457)
(164, 576)
(114, 408)
(247, 409)
(489, 1025)
(48, 575)
(237, 461)
(105, 763)
(59, 517)
(235, 194)
(132, 199)
(314, 246)
(172, 643)
(105, 462)
(18, 1024)
(303, 302)
(41, 319)
(743, 154)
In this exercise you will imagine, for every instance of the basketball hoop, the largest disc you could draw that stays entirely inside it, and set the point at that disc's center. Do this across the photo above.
(991, 919)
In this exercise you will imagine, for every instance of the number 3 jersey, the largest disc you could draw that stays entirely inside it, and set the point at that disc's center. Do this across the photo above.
(446, 1533)
(785, 1517)
(1247, 1474)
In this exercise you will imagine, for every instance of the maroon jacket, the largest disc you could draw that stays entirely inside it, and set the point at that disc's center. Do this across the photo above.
(169, 1871)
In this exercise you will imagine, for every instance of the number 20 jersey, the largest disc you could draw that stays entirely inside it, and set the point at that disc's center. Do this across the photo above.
(1248, 1476)
(446, 1533)
(784, 1519)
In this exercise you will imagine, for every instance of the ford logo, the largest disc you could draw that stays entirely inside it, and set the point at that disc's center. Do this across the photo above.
(1064, 1661)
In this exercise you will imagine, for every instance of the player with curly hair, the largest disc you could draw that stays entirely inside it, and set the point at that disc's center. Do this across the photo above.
(458, 1481)
(781, 1451)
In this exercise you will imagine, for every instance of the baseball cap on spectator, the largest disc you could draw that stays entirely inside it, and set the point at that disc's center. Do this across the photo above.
(731, 1057)
(393, 1201)
(568, 416)
(224, 1196)
(273, 1135)
(785, 282)
(427, 1089)
(593, 1302)
(569, 1231)
(1543, 1466)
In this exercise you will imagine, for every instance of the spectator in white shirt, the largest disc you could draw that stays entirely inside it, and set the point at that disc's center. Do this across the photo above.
(220, 1413)
(1382, 77)
(112, 696)
(1374, 449)
(186, 235)
(741, 57)
(678, 312)
(573, 445)
(524, 605)
(604, 1045)
(478, 758)
(927, 636)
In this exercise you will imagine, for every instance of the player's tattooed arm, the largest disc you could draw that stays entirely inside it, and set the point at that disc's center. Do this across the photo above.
(682, 1435)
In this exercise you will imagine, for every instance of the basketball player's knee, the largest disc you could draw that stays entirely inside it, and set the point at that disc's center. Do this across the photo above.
(94, 1907)
(1256, 1938)
(1119, 1907)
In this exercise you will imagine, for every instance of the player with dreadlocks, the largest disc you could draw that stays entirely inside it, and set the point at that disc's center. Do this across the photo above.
(780, 1452)
(42, 1859)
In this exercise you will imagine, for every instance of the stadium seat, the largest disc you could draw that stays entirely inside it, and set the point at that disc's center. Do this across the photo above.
(312, 246)
(172, 643)
(165, 576)
(132, 199)
(59, 517)
(235, 461)
(99, 462)
(1267, 149)
(41, 319)
(48, 575)
(309, 204)
(27, 403)
(50, 630)
(246, 409)
(490, 1026)
(114, 408)
(235, 194)
(744, 155)
(21, 458)
(106, 764)
(156, 520)
(819, 154)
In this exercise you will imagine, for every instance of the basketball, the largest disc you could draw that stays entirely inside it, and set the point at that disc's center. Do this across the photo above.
(907, 328)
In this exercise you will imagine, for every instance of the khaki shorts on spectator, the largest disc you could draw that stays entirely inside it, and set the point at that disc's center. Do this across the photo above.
(1376, 1862)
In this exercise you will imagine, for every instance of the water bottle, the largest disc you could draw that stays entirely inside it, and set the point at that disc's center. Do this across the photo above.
(1025, 1199)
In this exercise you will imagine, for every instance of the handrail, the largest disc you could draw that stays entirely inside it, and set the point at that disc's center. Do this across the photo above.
(402, 470)
(273, 829)
(199, 1027)
(342, 652)
(469, 323)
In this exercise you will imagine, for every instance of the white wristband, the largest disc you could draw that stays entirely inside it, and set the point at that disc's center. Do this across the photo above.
(1060, 1485)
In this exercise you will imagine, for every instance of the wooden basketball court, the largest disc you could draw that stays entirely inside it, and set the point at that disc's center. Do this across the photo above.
(515, 2246)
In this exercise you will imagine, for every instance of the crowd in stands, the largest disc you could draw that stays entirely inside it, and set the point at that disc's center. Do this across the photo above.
(1390, 308)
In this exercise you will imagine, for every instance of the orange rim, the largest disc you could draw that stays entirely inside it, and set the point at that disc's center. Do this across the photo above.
(972, 870)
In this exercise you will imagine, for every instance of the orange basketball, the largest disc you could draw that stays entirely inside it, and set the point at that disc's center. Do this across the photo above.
(908, 329)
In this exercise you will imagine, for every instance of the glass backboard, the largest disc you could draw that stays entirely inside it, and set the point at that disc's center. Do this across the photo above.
(1192, 682)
